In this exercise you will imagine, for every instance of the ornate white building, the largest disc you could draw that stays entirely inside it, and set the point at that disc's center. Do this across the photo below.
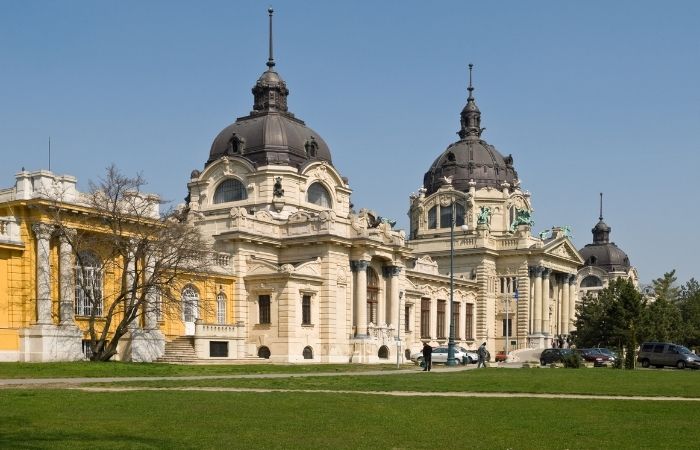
(318, 281)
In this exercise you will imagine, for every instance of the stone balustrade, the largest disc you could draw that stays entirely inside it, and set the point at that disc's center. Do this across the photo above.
(9, 231)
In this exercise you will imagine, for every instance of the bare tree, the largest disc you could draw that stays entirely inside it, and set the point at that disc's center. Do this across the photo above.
(119, 240)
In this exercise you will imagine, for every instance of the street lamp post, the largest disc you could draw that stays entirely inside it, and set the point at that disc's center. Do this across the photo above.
(451, 361)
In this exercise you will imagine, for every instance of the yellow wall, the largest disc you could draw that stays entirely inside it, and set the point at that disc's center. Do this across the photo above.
(18, 282)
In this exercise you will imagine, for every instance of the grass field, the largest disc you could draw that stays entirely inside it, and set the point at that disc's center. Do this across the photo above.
(671, 383)
(76, 419)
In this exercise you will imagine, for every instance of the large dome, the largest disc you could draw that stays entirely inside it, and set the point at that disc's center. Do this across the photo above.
(271, 138)
(270, 134)
(471, 158)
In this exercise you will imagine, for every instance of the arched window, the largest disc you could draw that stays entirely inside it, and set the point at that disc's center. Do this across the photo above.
(591, 281)
(88, 284)
(383, 352)
(372, 295)
(221, 308)
(318, 195)
(190, 302)
(264, 352)
(432, 218)
(230, 190)
(308, 353)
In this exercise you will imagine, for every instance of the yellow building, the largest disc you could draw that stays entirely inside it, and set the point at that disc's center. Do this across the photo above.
(54, 284)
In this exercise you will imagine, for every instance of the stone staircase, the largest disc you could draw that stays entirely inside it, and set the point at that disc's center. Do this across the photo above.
(179, 351)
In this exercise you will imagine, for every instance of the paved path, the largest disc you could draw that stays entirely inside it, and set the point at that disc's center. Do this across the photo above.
(75, 383)
(392, 393)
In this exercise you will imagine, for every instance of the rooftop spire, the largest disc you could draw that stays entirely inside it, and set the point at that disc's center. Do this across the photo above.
(470, 116)
(270, 59)
(601, 232)
(270, 91)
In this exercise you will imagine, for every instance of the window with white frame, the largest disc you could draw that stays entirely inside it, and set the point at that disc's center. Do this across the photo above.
(221, 308)
(264, 309)
(158, 304)
(306, 309)
(88, 284)
(190, 303)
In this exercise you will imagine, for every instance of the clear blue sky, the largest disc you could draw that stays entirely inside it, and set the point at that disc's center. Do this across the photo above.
(587, 96)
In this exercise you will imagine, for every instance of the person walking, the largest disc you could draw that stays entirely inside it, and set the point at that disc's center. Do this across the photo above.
(482, 352)
(427, 357)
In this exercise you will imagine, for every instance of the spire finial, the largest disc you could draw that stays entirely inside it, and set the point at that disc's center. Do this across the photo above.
(470, 88)
(601, 206)
(270, 59)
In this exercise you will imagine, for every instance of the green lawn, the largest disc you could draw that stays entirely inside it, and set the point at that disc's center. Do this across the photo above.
(119, 369)
(673, 383)
(173, 419)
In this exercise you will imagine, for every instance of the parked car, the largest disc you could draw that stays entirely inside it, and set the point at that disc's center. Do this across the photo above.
(595, 356)
(660, 354)
(462, 356)
(501, 356)
(607, 351)
(552, 355)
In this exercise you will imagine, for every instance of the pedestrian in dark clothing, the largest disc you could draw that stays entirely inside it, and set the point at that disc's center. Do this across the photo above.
(427, 357)
(482, 352)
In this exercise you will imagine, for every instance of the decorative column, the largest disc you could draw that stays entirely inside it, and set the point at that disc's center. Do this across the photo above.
(537, 316)
(151, 319)
(359, 269)
(43, 232)
(391, 273)
(545, 300)
(565, 305)
(572, 301)
(66, 267)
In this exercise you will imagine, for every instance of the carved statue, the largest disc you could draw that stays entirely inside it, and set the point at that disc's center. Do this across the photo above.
(522, 217)
(543, 234)
(484, 216)
(567, 231)
(277, 190)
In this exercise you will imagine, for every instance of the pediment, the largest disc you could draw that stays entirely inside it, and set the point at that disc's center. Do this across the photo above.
(563, 248)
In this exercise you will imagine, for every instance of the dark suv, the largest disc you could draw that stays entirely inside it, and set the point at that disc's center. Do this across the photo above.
(552, 355)
(661, 354)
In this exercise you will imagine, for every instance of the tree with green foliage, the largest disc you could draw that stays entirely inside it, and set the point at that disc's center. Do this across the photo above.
(689, 305)
(614, 319)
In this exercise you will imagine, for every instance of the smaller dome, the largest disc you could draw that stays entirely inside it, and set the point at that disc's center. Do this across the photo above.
(470, 159)
(607, 256)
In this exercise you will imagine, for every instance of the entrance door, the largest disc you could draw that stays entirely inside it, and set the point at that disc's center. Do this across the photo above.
(190, 303)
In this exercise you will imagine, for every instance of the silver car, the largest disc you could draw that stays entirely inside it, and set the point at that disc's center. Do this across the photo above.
(462, 356)
(662, 354)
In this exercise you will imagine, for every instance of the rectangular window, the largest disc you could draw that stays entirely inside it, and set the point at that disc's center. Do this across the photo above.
(406, 318)
(264, 309)
(507, 327)
(441, 318)
(455, 318)
(432, 218)
(306, 310)
(218, 349)
(425, 318)
(446, 216)
(469, 316)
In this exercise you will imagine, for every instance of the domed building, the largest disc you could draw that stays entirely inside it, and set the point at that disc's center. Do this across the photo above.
(526, 284)
(318, 281)
(603, 261)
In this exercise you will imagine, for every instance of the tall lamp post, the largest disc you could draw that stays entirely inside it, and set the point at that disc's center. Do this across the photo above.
(451, 361)
(398, 332)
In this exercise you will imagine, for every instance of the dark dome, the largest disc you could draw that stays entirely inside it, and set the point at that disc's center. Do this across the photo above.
(270, 134)
(608, 257)
(270, 138)
(470, 159)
